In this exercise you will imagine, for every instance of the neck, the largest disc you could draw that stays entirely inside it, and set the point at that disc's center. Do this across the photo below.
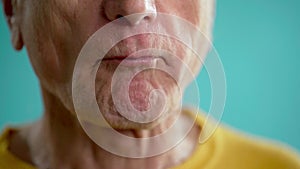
(58, 141)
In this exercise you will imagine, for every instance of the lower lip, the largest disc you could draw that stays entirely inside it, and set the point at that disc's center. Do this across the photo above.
(132, 62)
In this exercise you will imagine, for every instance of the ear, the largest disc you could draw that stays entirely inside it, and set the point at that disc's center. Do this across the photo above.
(13, 17)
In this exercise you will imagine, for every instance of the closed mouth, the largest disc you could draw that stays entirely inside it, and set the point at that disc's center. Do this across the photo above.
(132, 60)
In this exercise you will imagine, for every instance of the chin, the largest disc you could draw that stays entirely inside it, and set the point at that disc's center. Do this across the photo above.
(136, 104)
(121, 123)
(116, 120)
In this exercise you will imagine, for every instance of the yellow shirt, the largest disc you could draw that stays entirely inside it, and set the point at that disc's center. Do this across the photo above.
(226, 149)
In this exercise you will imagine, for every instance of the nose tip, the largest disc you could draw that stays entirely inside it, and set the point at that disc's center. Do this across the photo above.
(137, 18)
(134, 11)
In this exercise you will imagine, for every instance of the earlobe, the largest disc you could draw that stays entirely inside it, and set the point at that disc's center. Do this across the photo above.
(11, 13)
(16, 36)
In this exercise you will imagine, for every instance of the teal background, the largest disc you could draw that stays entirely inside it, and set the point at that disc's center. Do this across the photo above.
(258, 42)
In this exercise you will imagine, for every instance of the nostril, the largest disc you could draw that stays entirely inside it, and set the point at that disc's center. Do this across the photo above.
(147, 18)
(119, 16)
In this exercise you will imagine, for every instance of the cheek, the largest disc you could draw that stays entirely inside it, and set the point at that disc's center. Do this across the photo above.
(191, 11)
(37, 41)
(42, 37)
(55, 32)
(186, 9)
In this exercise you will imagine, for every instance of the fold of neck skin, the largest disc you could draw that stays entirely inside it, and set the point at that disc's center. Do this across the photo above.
(57, 141)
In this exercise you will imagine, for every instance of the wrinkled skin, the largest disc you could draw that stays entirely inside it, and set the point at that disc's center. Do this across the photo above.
(53, 32)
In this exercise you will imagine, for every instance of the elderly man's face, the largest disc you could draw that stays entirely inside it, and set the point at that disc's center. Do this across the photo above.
(54, 31)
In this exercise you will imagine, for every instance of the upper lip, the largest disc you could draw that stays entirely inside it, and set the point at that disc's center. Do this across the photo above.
(128, 47)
